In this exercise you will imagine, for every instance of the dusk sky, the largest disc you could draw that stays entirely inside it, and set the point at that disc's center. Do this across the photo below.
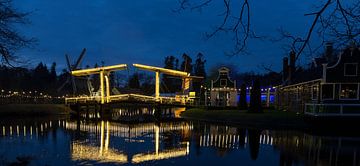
(144, 31)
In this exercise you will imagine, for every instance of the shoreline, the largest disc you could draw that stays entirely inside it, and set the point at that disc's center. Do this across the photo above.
(273, 119)
(270, 119)
(34, 110)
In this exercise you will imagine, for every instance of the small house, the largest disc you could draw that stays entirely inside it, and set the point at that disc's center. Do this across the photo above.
(223, 90)
(334, 93)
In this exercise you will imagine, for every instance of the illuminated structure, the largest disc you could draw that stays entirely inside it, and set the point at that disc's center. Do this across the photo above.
(106, 97)
(223, 90)
(104, 73)
(186, 78)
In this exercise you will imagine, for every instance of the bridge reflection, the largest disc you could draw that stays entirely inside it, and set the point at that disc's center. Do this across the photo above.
(92, 153)
(131, 133)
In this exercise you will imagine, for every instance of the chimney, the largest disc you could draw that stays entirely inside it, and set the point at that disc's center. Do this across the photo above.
(285, 69)
(292, 66)
(329, 51)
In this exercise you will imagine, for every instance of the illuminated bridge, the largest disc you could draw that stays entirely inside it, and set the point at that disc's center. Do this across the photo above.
(104, 95)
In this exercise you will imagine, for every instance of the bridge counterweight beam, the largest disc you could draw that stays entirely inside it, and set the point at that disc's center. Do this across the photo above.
(157, 86)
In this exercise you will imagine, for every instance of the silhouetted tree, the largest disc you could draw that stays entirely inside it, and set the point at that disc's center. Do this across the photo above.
(41, 77)
(134, 81)
(11, 40)
(199, 70)
(176, 64)
(186, 65)
(52, 78)
(168, 81)
(242, 102)
(255, 97)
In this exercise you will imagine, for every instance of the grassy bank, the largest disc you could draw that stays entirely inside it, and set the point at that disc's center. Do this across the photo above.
(33, 109)
(267, 119)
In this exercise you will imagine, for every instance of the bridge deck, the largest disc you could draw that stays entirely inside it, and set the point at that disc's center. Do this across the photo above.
(128, 97)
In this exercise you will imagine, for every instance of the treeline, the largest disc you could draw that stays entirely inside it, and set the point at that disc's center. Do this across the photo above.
(45, 79)
(41, 78)
(172, 84)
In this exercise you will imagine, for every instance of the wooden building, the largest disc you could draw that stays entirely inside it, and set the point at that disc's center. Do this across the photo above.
(223, 90)
(334, 93)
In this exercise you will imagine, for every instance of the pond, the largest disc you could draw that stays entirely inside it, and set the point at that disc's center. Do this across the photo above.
(63, 141)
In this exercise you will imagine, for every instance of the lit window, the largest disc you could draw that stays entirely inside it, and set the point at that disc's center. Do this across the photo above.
(315, 90)
(348, 91)
(223, 82)
(350, 69)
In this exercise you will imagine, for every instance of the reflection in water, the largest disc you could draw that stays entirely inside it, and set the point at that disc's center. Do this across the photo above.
(85, 152)
(82, 151)
(135, 113)
(66, 142)
(131, 133)
(254, 138)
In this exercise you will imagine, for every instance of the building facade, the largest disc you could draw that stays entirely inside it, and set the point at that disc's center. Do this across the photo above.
(334, 93)
(223, 90)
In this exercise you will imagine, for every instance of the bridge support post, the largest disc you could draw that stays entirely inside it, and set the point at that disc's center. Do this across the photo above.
(102, 87)
(107, 88)
(157, 86)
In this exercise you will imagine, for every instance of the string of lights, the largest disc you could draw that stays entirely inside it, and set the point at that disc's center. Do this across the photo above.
(234, 89)
(27, 94)
(29, 97)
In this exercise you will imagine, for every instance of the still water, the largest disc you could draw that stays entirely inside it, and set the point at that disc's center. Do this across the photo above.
(168, 142)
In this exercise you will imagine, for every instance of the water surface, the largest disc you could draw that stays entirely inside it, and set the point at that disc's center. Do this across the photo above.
(175, 142)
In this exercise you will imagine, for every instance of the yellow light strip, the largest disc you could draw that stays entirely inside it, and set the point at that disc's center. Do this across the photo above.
(97, 70)
(142, 157)
(162, 70)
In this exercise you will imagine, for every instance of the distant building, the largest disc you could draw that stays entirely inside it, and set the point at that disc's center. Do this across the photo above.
(335, 92)
(223, 90)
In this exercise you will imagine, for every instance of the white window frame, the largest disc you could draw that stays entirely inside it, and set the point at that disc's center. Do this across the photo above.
(333, 94)
(357, 92)
(356, 70)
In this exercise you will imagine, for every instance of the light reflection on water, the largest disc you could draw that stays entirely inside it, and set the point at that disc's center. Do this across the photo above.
(71, 142)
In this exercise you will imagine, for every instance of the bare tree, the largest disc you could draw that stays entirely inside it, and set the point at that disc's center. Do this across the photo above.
(10, 39)
(336, 21)
(237, 23)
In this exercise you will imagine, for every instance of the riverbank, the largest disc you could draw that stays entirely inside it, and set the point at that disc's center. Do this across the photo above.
(268, 119)
(33, 109)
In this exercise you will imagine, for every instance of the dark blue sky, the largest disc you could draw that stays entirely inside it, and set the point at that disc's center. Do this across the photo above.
(144, 31)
